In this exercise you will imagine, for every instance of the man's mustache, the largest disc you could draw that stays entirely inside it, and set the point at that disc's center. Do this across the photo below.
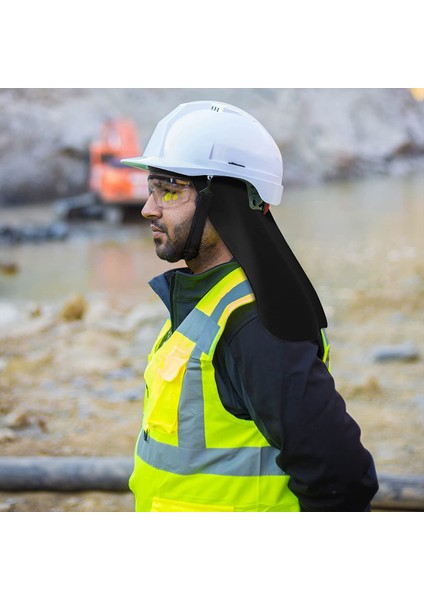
(157, 226)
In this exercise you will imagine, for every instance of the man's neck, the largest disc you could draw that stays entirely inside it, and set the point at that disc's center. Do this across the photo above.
(204, 262)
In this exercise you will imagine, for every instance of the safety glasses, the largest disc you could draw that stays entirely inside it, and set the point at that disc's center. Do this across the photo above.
(168, 191)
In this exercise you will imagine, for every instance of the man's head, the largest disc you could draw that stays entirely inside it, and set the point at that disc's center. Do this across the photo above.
(215, 139)
(229, 170)
(172, 206)
(197, 143)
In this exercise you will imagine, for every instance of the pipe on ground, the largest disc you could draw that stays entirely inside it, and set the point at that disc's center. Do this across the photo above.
(73, 474)
(399, 492)
(65, 474)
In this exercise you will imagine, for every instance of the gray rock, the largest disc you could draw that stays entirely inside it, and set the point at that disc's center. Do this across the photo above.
(122, 373)
(398, 352)
(418, 401)
(134, 395)
(8, 505)
(56, 231)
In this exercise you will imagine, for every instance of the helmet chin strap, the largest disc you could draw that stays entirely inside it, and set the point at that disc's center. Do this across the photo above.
(194, 239)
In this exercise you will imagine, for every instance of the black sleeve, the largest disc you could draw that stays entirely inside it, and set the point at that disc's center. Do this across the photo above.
(289, 393)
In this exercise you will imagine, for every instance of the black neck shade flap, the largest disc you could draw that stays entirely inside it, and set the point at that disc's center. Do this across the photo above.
(288, 305)
(203, 200)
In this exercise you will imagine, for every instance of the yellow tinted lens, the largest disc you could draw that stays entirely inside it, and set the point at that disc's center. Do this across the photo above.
(168, 190)
(170, 197)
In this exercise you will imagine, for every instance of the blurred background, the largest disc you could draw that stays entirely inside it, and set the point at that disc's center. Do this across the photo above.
(77, 316)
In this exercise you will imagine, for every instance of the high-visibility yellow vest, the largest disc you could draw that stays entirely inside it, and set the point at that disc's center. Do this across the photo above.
(192, 454)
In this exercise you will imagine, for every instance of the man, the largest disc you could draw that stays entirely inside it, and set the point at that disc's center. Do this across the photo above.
(240, 410)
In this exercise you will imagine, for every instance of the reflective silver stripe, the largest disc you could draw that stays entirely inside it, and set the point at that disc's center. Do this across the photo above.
(191, 420)
(202, 330)
(240, 290)
(246, 461)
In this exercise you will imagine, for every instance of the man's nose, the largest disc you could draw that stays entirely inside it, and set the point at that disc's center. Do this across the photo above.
(150, 210)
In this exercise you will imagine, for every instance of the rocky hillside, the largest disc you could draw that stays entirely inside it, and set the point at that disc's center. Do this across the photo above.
(323, 133)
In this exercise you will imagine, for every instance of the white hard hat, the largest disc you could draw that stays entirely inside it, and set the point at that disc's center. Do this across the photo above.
(214, 138)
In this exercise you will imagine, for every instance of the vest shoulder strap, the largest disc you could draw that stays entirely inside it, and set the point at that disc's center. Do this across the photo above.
(206, 322)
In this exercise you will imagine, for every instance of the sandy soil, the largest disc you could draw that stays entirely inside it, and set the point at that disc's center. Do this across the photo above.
(71, 385)
(71, 368)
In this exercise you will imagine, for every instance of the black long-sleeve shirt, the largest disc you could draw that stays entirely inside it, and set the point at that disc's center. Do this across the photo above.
(286, 389)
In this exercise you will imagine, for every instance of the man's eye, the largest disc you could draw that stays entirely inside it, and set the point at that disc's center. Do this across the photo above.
(170, 196)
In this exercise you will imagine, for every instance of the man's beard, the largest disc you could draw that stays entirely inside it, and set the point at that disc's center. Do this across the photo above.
(173, 251)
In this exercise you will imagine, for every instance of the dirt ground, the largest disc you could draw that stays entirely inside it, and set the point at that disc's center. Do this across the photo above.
(71, 369)
(71, 385)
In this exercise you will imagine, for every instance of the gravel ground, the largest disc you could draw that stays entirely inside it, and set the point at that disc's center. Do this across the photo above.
(71, 364)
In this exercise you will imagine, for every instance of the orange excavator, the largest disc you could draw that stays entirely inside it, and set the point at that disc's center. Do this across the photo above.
(112, 182)
(113, 187)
